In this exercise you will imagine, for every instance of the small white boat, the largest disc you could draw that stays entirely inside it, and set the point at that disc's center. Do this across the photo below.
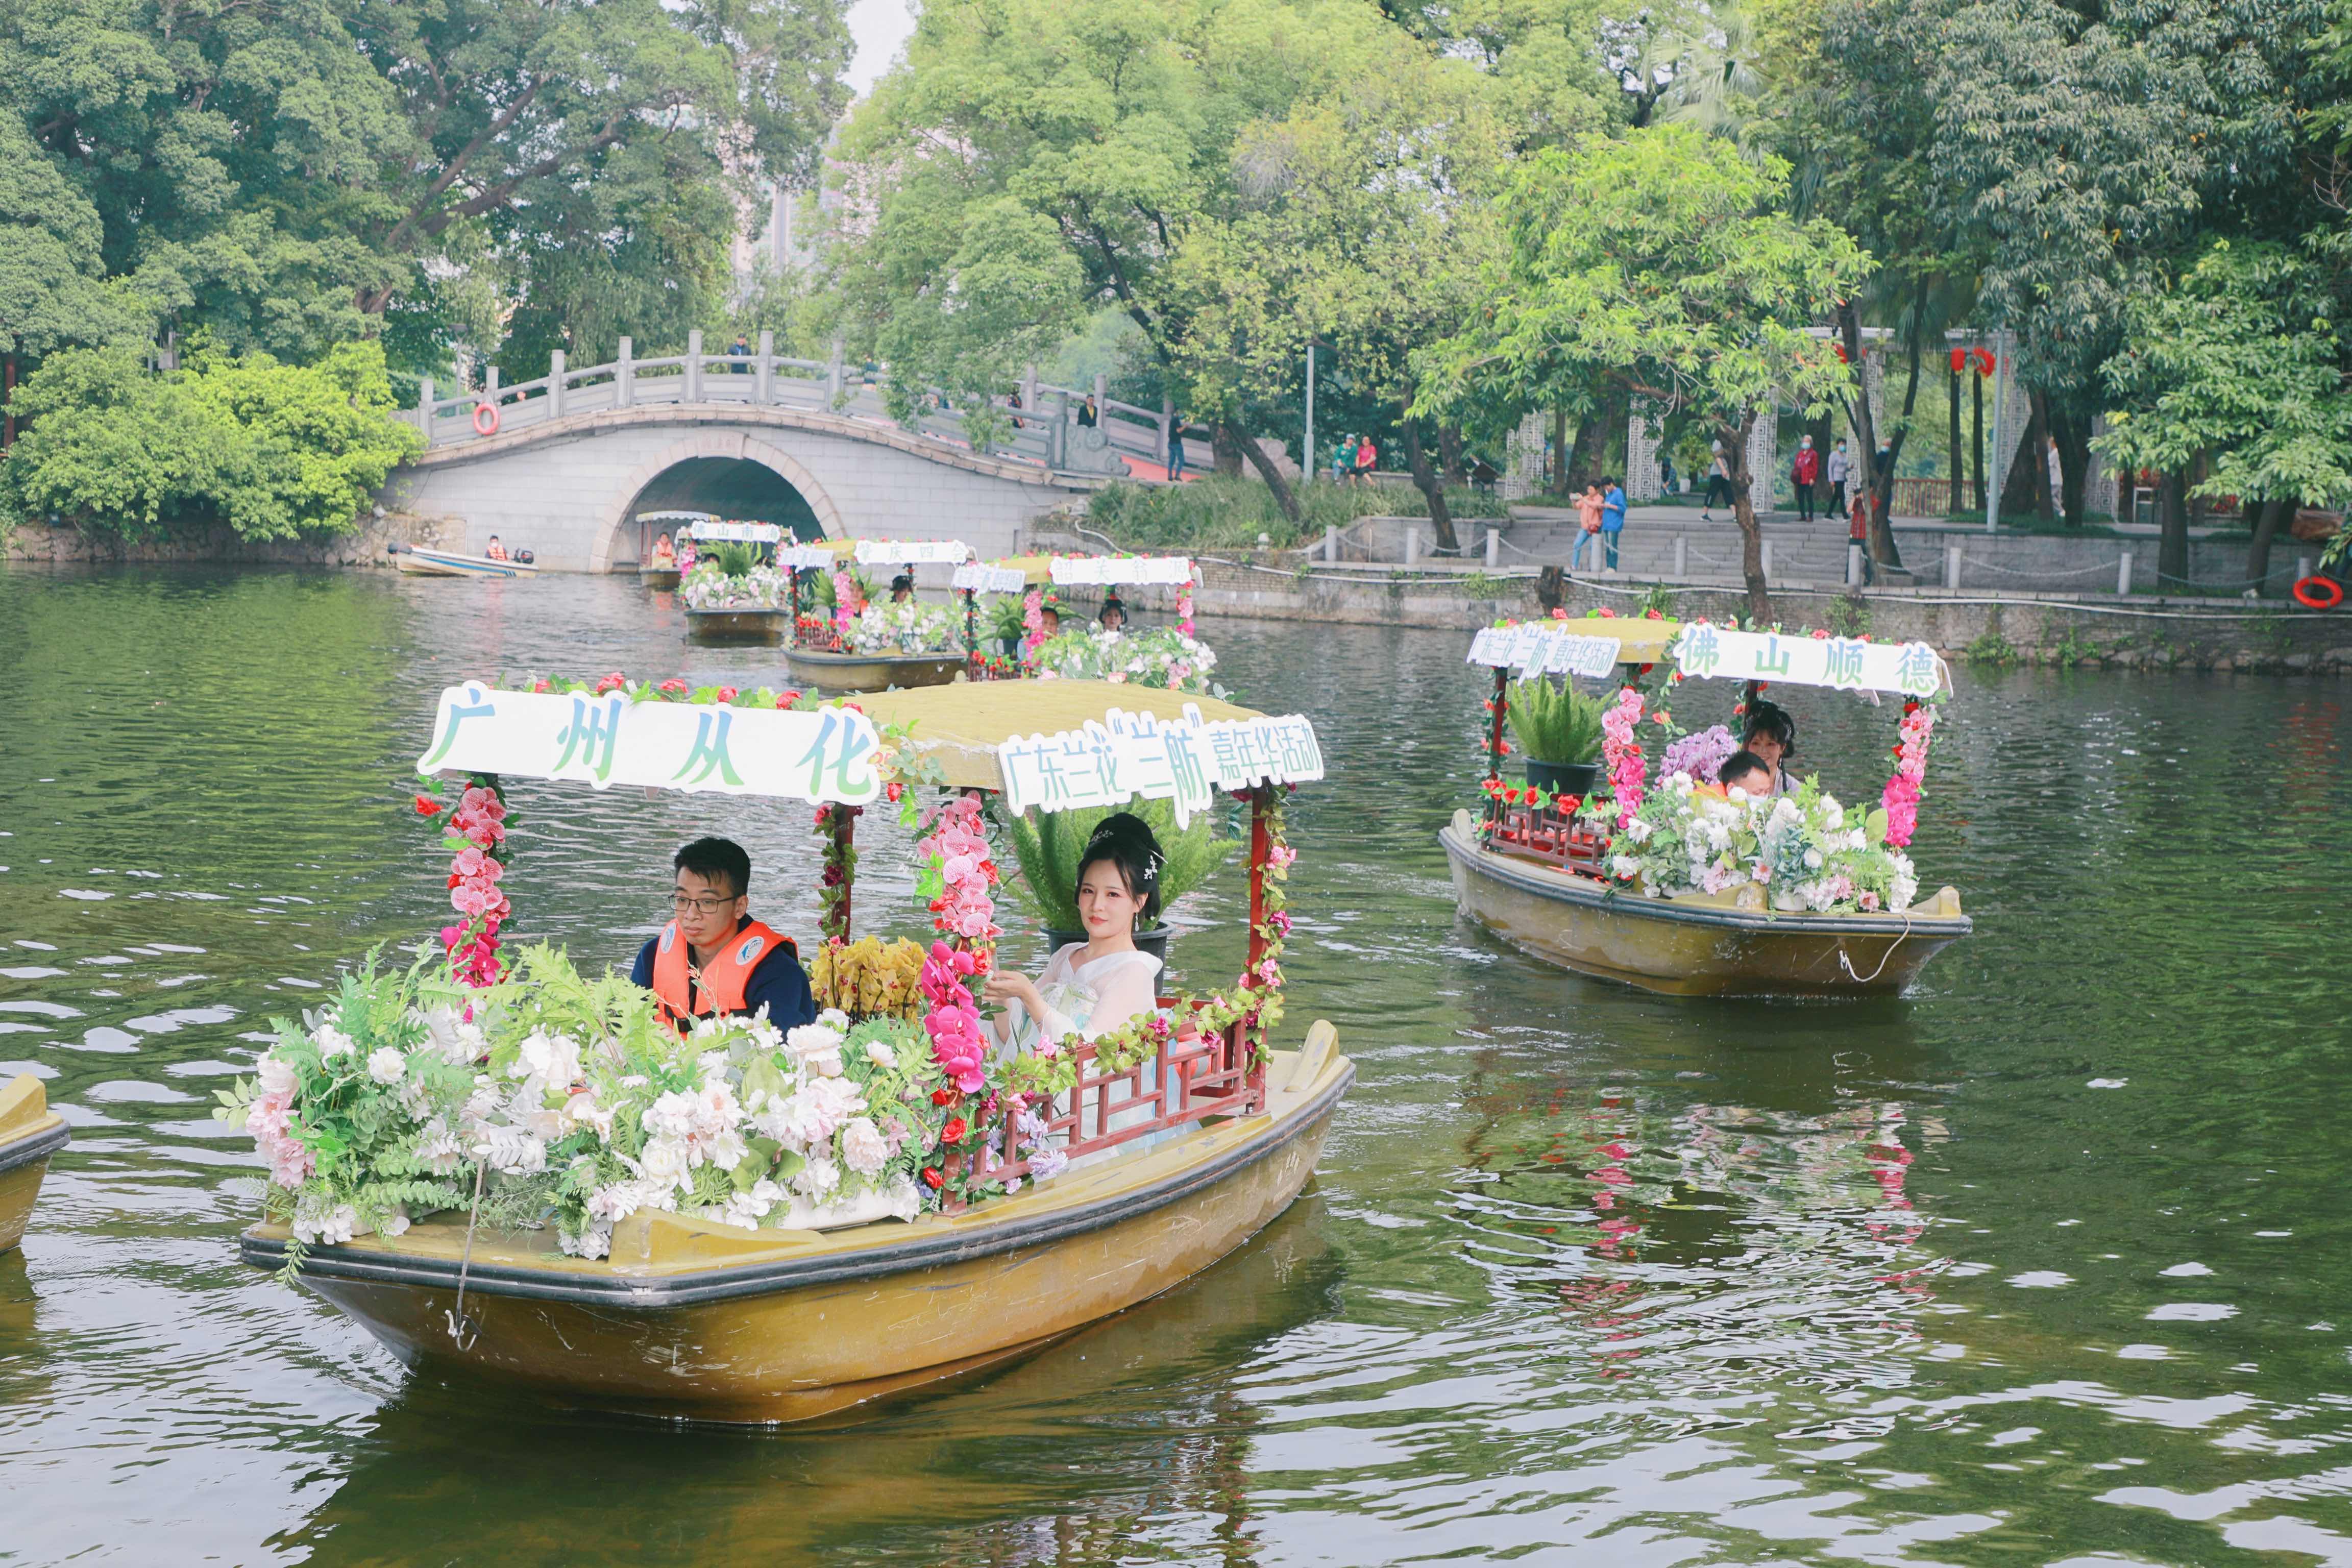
(418, 560)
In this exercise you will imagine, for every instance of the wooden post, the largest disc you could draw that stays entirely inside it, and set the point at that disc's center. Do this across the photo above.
(694, 364)
(844, 822)
(970, 630)
(1495, 737)
(623, 378)
(763, 385)
(555, 384)
(1261, 851)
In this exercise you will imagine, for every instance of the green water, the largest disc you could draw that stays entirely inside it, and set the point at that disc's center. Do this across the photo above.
(1587, 1276)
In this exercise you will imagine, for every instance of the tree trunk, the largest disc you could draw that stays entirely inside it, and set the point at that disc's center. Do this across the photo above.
(2038, 428)
(1225, 453)
(1954, 470)
(1559, 464)
(2275, 510)
(2172, 543)
(2073, 434)
(1432, 489)
(2017, 491)
(7, 397)
(2201, 509)
(1875, 475)
(1734, 437)
(1284, 496)
(1592, 438)
(1449, 453)
(1976, 435)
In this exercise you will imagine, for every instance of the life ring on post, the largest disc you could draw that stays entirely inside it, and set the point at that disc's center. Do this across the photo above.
(486, 418)
(2318, 592)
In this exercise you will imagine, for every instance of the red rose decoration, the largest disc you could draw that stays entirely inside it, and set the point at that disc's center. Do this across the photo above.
(727, 694)
(944, 1097)
(932, 1179)
(612, 682)
(673, 687)
(955, 1130)
(427, 806)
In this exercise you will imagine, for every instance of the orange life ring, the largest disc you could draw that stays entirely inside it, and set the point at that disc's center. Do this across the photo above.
(2319, 593)
(486, 418)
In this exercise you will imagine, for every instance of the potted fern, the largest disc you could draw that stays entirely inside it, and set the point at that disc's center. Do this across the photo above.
(1558, 731)
(1047, 846)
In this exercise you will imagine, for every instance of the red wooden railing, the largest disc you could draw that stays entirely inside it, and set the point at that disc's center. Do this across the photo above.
(1551, 836)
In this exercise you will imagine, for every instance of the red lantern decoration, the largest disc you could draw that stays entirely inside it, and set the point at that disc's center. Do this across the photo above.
(1959, 361)
(1984, 361)
(1840, 351)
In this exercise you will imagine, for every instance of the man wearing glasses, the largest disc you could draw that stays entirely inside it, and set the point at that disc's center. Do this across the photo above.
(713, 958)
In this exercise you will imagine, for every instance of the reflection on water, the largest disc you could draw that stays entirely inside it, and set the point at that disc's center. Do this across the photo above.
(1586, 1270)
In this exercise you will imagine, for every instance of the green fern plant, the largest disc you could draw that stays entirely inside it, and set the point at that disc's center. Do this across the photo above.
(1047, 847)
(736, 558)
(1558, 725)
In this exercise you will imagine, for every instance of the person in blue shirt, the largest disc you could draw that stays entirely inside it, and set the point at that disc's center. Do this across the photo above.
(713, 957)
(1612, 517)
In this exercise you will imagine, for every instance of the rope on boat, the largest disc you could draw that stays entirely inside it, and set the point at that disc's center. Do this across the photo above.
(463, 1329)
(1847, 964)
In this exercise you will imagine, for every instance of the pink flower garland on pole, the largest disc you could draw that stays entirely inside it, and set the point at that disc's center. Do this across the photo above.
(956, 854)
(1184, 610)
(1627, 773)
(1033, 617)
(1902, 797)
(477, 832)
(846, 601)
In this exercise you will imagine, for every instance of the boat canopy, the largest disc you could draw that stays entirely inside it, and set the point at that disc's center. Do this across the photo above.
(1592, 646)
(1112, 571)
(912, 551)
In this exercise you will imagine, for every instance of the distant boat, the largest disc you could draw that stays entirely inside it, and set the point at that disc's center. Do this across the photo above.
(29, 1133)
(419, 562)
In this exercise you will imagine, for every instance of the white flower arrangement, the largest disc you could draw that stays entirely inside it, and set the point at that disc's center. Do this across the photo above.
(1799, 849)
(910, 627)
(1162, 657)
(708, 588)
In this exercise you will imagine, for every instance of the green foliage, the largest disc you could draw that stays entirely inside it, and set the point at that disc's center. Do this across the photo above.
(1216, 512)
(1848, 615)
(1047, 846)
(1554, 724)
(1992, 649)
(732, 557)
(272, 450)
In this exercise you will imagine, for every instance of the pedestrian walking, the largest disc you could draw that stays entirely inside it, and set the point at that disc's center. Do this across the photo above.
(1803, 472)
(1588, 526)
(1718, 485)
(1176, 447)
(1612, 517)
(1837, 466)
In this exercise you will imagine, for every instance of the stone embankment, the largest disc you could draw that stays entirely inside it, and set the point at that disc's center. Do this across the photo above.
(364, 547)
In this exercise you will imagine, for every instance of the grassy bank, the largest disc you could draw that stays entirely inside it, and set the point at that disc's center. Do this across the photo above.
(1215, 512)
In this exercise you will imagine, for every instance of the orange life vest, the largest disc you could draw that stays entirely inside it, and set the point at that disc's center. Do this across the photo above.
(720, 983)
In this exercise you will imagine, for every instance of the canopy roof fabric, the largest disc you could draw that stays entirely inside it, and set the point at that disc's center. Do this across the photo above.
(961, 726)
(737, 532)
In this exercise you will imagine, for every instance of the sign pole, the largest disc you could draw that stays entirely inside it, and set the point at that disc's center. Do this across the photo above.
(1307, 466)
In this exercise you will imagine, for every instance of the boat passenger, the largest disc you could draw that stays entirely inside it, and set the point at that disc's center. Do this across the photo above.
(494, 551)
(713, 958)
(1771, 734)
(1094, 987)
(1049, 617)
(1744, 771)
(902, 587)
(664, 556)
(1114, 614)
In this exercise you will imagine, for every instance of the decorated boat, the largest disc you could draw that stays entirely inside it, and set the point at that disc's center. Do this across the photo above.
(735, 587)
(1672, 882)
(29, 1133)
(666, 578)
(863, 641)
(421, 560)
(508, 1171)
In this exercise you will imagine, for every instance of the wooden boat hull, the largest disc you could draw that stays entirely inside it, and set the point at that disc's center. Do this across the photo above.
(694, 1320)
(418, 562)
(872, 671)
(29, 1133)
(1688, 948)
(662, 578)
(738, 625)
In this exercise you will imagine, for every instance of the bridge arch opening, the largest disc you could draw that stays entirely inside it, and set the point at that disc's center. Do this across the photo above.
(743, 478)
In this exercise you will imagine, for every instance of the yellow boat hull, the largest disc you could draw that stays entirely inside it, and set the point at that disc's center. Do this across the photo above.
(1693, 947)
(702, 1322)
(832, 672)
(29, 1133)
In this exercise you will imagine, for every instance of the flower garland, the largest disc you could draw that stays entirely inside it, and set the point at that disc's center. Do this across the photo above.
(957, 872)
(847, 602)
(840, 870)
(1901, 798)
(1184, 610)
(1627, 773)
(1033, 619)
(475, 834)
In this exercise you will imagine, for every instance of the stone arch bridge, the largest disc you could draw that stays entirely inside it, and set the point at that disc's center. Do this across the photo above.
(565, 465)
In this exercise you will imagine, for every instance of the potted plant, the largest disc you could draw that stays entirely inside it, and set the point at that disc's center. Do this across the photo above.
(1004, 623)
(1558, 731)
(1047, 846)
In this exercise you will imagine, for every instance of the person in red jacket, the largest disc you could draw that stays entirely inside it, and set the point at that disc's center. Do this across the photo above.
(1807, 468)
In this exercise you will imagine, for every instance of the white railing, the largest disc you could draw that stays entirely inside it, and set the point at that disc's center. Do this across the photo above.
(1048, 425)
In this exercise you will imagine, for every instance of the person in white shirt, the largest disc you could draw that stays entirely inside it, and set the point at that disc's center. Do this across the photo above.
(1836, 476)
(1094, 987)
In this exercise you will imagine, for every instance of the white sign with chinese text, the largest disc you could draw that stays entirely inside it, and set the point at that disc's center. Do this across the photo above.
(1185, 761)
(1109, 571)
(985, 579)
(1535, 648)
(602, 741)
(912, 551)
(806, 558)
(736, 532)
(1847, 663)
